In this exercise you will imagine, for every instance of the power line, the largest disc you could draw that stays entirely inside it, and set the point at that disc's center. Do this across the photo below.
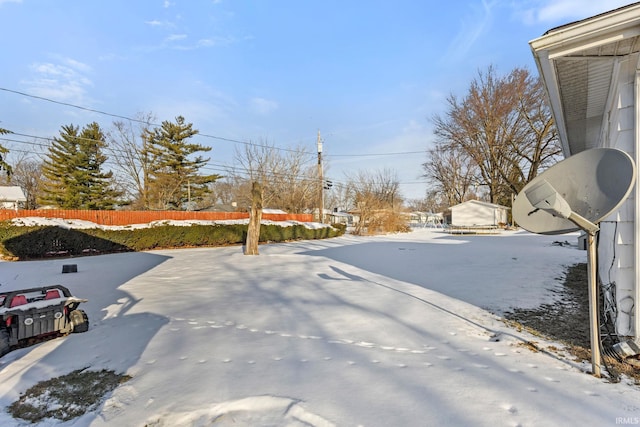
(401, 153)
(209, 166)
(204, 135)
(28, 95)
(118, 116)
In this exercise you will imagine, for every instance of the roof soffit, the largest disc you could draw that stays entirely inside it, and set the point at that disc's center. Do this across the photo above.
(576, 63)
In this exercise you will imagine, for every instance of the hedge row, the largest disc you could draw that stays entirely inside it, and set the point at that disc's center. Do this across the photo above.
(34, 242)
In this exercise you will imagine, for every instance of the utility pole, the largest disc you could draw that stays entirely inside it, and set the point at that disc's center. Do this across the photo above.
(320, 182)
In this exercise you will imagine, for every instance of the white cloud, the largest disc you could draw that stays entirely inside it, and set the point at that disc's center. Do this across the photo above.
(9, 1)
(201, 43)
(77, 65)
(262, 106)
(63, 81)
(180, 42)
(160, 24)
(216, 41)
(472, 27)
(175, 37)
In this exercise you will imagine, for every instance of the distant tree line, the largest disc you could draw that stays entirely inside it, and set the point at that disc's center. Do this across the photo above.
(139, 165)
(488, 144)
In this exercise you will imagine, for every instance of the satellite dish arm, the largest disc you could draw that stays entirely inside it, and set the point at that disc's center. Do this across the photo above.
(583, 223)
(543, 196)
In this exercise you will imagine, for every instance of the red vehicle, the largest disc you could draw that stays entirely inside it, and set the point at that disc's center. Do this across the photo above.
(31, 314)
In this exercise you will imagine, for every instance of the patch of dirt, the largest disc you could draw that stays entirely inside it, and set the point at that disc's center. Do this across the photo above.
(67, 397)
(567, 321)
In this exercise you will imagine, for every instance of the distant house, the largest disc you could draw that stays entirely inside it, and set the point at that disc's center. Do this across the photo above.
(337, 217)
(474, 213)
(11, 197)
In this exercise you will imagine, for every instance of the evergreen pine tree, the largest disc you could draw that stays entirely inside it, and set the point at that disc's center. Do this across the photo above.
(175, 181)
(3, 152)
(73, 171)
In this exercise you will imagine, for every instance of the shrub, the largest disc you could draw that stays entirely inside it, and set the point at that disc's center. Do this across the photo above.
(32, 242)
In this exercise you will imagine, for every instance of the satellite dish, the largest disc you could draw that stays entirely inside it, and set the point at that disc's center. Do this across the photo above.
(590, 185)
(576, 194)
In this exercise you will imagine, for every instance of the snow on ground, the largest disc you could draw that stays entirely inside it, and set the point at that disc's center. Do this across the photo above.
(81, 224)
(399, 330)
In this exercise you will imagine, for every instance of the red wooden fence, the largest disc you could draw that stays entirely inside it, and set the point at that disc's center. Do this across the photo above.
(143, 217)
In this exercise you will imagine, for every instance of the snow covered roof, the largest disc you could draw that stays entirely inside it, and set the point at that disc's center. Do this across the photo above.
(12, 194)
(273, 211)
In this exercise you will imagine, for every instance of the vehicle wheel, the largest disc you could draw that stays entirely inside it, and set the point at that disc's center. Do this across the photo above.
(79, 321)
(4, 342)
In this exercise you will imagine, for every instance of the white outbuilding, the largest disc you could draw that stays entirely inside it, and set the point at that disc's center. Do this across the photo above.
(474, 213)
(11, 197)
(591, 71)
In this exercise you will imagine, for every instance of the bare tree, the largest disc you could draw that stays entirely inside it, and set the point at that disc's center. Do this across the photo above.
(288, 177)
(256, 163)
(224, 191)
(277, 178)
(377, 199)
(452, 171)
(505, 128)
(539, 145)
(129, 150)
(293, 189)
(255, 218)
(432, 202)
(27, 174)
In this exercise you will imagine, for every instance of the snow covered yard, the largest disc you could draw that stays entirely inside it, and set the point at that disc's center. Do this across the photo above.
(374, 331)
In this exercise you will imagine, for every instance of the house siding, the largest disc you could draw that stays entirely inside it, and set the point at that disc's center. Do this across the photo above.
(470, 214)
(617, 247)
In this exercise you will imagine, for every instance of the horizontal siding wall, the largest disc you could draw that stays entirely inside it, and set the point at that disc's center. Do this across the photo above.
(469, 215)
(617, 240)
(142, 217)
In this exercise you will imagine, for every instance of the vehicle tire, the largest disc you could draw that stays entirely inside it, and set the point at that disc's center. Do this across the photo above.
(79, 321)
(4, 342)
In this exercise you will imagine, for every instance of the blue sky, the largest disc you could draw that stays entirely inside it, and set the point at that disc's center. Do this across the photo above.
(368, 75)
